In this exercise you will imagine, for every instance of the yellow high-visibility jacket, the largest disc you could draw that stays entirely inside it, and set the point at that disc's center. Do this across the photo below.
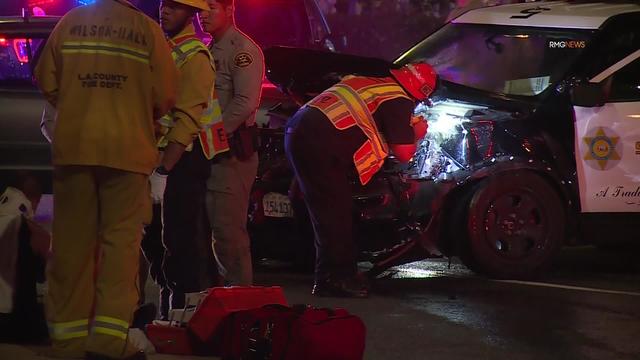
(352, 102)
(197, 110)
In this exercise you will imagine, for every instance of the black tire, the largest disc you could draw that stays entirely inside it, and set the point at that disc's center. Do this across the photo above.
(515, 226)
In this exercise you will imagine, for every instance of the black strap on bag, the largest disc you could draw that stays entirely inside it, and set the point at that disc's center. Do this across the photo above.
(260, 331)
(260, 336)
(260, 341)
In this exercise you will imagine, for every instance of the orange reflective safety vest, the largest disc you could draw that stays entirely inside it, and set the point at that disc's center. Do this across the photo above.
(212, 136)
(352, 102)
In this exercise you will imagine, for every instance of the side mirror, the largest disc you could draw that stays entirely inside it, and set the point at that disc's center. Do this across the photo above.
(328, 45)
(335, 42)
(588, 94)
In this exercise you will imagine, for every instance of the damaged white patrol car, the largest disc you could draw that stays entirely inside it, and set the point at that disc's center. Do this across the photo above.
(533, 142)
(535, 134)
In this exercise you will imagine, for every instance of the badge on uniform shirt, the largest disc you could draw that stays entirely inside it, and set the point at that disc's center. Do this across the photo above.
(243, 59)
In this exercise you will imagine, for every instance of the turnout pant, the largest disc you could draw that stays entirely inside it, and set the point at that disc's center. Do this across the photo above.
(188, 260)
(229, 187)
(92, 277)
(324, 182)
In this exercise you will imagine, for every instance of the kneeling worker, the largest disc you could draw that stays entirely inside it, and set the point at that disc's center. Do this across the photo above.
(353, 125)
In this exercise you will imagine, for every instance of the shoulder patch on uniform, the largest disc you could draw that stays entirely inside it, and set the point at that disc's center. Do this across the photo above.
(243, 59)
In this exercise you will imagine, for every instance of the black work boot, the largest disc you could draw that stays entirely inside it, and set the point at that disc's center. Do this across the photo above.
(144, 315)
(353, 287)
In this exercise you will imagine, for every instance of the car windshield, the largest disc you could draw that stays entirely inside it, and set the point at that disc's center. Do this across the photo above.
(500, 59)
(272, 23)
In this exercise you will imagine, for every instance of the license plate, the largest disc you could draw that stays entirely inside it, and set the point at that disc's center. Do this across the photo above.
(277, 205)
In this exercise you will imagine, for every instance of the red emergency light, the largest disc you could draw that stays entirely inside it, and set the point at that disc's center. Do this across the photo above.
(3, 42)
(20, 48)
(37, 11)
(32, 3)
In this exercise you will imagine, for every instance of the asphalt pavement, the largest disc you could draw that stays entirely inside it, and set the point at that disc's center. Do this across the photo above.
(586, 308)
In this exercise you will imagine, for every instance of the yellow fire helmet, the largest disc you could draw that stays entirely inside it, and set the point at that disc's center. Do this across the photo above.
(198, 4)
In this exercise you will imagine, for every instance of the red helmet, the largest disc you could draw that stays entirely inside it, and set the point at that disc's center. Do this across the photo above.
(418, 79)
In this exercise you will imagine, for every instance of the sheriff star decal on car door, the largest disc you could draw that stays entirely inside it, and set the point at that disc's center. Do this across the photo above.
(602, 153)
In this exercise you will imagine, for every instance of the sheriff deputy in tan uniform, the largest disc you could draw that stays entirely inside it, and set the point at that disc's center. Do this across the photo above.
(107, 70)
(240, 69)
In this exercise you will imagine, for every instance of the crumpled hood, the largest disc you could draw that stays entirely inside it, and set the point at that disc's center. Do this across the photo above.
(467, 127)
(459, 135)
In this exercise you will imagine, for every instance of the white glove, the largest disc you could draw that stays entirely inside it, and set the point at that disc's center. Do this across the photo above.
(158, 185)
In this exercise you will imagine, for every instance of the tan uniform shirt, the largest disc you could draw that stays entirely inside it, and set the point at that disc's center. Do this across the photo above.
(195, 88)
(107, 68)
(240, 68)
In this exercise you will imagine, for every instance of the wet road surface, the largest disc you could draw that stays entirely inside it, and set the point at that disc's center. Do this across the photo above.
(587, 308)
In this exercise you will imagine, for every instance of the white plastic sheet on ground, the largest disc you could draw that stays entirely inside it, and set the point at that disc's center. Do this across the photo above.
(13, 206)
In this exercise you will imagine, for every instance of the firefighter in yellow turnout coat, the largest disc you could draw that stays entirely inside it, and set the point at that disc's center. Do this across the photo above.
(190, 138)
(107, 70)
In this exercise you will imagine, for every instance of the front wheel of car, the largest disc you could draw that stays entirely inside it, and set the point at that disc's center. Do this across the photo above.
(515, 225)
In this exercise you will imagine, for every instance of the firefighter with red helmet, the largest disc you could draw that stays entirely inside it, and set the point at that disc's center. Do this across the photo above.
(351, 128)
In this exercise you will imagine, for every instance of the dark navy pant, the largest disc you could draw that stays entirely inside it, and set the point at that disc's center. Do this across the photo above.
(323, 177)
